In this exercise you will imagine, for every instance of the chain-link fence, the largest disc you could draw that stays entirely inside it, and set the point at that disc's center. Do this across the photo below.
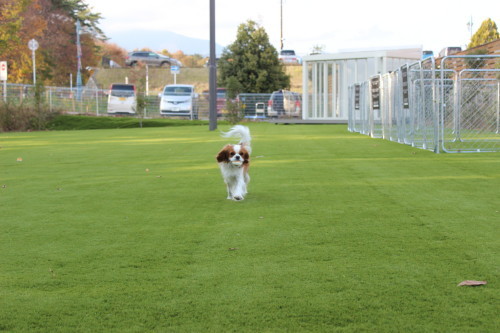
(454, 109)
(95, 102)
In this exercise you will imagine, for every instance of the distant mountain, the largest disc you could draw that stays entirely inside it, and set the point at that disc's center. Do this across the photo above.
(157, 40)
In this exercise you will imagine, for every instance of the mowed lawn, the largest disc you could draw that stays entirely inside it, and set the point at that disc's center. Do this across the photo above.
(129, 230)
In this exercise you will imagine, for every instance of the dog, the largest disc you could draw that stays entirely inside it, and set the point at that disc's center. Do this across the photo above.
(234, 161)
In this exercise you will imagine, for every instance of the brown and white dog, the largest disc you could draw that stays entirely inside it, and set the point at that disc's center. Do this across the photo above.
(234, 161)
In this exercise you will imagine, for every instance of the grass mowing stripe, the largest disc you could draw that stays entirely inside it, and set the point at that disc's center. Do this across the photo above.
(129, 230)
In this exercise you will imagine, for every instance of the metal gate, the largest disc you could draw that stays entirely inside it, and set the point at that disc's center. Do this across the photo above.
(470, 108)
(453, 109)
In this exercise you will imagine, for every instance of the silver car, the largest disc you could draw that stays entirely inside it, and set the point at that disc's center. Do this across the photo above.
(284, 103)
(179, 100)
(288, 57)
(150, 58)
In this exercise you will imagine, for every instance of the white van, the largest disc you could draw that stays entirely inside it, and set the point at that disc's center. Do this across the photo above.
(122, 98)
(448, 51)
(179, 100)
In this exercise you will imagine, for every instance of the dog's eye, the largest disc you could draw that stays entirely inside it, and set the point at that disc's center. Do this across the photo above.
(233, 153)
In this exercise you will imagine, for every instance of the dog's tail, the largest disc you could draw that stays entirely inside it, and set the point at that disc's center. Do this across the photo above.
(242, 132)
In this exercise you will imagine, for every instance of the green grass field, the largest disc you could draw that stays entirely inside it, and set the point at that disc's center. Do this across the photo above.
(129, 230)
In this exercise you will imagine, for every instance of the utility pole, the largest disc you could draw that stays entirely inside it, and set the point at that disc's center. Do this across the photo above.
(469, 25)
(79, 59)
(212, 80)
(281, 19)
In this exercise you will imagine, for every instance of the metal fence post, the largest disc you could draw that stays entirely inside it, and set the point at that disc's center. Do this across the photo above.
(50, 99)
(498, 106)
(97, 101)
(456, 106)
(435, 106)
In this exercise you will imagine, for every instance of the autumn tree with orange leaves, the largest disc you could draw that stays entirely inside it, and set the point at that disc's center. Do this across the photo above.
(52, 24)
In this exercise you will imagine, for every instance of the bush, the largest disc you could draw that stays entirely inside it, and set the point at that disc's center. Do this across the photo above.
(24, 117)
(476, 63)
(234, 110)
(71, 122)
(31, 114)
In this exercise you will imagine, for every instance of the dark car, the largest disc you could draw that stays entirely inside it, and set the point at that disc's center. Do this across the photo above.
(221, 100)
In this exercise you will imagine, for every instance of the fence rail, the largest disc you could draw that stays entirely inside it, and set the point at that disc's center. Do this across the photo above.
(455, 108)
(95, 102)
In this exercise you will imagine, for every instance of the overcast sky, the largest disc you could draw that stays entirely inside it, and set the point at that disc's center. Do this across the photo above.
(334, 25)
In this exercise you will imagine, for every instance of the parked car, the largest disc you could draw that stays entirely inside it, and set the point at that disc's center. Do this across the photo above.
(179, 100)
(450, 50)
(427, 54)
(284, 103)
(175, 62)
(207, 63)
(122, 98)
(150, 58)
(289, 57)
(221, 100)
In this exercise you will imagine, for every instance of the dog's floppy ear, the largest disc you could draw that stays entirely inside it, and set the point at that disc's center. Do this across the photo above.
(246, 156)
(223, 155)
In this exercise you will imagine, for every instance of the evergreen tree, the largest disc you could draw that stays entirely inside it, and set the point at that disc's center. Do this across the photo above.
(253, 61)
(487, 32)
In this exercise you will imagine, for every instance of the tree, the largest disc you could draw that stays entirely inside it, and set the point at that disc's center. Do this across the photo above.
(487, 32)
(10, 22)
(189, 61)
(253, 62)
(112, 51)
(52, 24)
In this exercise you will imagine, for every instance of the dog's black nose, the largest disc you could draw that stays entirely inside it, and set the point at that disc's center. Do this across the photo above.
(237, 157)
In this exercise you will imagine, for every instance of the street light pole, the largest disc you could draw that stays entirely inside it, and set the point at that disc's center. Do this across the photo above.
(213, 72)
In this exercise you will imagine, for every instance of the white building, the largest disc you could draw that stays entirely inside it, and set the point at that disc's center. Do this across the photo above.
(326, 78)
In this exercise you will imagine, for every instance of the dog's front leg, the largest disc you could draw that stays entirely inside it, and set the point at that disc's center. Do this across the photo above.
(229, 194)
(239, 190)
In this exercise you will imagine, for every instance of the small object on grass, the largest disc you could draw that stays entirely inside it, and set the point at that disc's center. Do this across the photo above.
(472, 283)
(233, 248)
(19, 159)
(147, 170)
